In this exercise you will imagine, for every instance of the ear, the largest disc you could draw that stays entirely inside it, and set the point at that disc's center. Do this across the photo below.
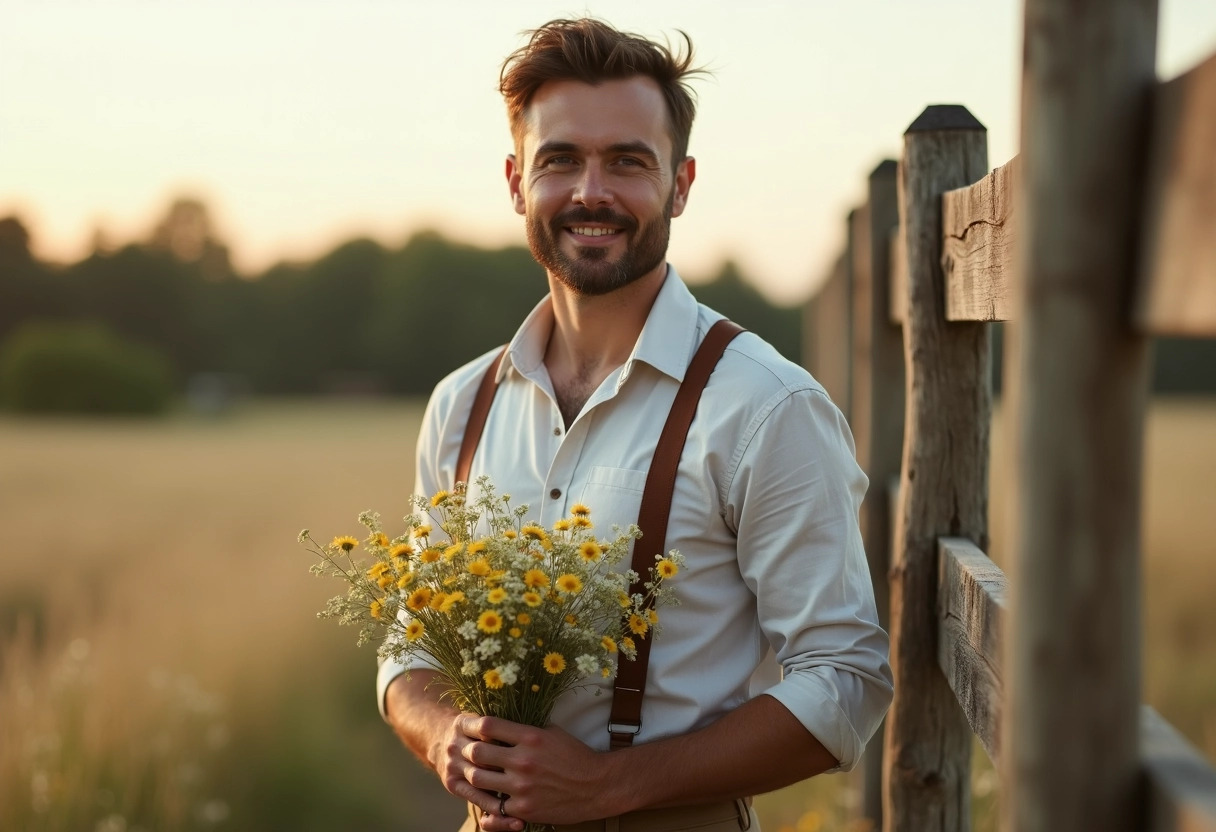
(513, 181)
(686, 172)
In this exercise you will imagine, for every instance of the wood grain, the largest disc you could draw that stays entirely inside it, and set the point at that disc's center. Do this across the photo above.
(979, 225)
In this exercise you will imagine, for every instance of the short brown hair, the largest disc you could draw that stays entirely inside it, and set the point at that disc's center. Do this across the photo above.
(592, 51)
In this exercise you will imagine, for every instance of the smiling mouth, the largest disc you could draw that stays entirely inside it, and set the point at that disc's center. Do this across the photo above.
(587, 231)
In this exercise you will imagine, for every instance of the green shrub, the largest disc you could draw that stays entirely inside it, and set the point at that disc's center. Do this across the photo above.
(57, 367)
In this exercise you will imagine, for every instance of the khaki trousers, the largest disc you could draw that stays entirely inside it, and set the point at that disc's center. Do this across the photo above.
(724, 816)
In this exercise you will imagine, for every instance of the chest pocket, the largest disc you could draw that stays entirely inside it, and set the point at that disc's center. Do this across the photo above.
(614, 496)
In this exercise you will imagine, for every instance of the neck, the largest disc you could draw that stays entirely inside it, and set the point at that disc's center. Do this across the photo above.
(597, 333)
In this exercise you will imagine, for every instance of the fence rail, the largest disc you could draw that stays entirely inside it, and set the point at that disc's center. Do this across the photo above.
(1042, 669)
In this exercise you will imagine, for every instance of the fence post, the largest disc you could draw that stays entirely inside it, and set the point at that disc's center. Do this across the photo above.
(943, 485)
(877, 410)
(1079, 378)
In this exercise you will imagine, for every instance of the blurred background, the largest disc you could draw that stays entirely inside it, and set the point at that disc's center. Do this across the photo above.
(239, 243)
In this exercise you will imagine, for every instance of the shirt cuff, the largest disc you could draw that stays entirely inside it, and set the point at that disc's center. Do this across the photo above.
(815, 702)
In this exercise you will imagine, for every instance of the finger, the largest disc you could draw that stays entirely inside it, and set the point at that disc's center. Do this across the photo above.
(493, 729)
(497, 823)
(487, 755)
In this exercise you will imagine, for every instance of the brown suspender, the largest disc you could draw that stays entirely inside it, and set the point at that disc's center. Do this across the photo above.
(630, 687)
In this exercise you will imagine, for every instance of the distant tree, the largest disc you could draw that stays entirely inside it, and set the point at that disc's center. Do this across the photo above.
(730, 293)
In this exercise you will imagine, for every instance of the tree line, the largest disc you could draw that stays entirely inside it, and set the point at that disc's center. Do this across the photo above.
(362, 317)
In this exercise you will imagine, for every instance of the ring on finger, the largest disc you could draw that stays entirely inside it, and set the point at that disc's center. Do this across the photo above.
(502, 805)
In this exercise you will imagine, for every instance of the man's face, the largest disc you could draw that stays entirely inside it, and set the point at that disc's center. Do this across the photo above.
(595, 183)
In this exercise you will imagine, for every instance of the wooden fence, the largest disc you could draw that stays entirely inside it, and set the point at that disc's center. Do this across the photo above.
(1102, 232)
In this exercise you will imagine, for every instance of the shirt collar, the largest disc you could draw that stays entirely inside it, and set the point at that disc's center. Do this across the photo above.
(667, 341)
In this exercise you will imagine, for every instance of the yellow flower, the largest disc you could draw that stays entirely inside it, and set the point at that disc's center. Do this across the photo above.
(477, 547)
(569, 583)
(555, 663)
(345, 543)
(377, 608)
(590, 551)
(666, 568)
(439, 498)
(580, 510)
(451, 600)
(532, 599)
(384, 581)
(509, 534)
(380, 539)
(400, 565)
(571, 620)
(562, 525)
(524, 619)
(419, 598)
(497, 596)
(405, 580)
(489, 622)
(608, 644)
(429, 555)
(401, 550)
(606, 672)
(493, 678)
(480, 567)
(535, 688)
(628, 644)
(437, 600)
(638, 625)
(624, 599)
(414, 630)
(582, 522)
(421, 531)
(378, 569)
(515, 632)
(534, 578)
(452, 551)
(538, 534)
(653, 616)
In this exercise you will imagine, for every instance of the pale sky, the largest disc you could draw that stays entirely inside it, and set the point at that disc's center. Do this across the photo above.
(304, 122)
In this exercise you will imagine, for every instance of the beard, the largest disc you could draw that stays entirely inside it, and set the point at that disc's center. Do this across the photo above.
(589, 271)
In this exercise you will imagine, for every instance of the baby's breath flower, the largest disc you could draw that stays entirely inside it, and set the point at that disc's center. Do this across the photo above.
(555, 663)
(467, 630)
(302, 536)
(487, 648)
(587, 665)
(509, 673)
(345, 543)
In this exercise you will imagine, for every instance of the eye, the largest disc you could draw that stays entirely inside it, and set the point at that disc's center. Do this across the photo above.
(560, 161)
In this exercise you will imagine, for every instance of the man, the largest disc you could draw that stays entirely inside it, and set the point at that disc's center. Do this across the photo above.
(766, 497)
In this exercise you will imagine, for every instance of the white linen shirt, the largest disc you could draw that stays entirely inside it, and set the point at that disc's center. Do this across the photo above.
(765, 512)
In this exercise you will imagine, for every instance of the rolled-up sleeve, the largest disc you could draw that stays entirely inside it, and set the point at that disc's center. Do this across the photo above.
(794, 498)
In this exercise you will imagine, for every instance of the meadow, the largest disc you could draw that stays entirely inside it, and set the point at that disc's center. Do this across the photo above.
(162, 668)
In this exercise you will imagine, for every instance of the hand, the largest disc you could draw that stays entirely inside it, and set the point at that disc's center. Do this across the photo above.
(548, 775)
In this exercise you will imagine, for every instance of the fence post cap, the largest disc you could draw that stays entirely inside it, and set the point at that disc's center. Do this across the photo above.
(886, 167)
(944, 117)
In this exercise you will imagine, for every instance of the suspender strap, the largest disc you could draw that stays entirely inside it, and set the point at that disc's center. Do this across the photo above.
(630, 686)
(477, 418)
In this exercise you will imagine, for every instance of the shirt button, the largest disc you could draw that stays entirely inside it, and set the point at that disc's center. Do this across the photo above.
(557, 431)
(555, 493)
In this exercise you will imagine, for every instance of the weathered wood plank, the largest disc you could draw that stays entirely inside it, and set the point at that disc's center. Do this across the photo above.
(943, 485)
(972, 596)
(830, 336)
(1079, 382)
(1180, 784)
(1177, 281)
(877, 411)
(899, 278)
(979, 225)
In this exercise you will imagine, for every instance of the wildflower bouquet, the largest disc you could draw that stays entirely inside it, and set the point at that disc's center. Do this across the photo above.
(511, 614)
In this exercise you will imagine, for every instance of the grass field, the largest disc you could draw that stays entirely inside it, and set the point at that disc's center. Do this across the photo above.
(161, 666)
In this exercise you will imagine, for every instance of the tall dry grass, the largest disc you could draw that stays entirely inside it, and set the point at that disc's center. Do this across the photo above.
(161, 666)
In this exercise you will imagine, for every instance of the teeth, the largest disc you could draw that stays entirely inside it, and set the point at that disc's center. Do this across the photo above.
(593, 232)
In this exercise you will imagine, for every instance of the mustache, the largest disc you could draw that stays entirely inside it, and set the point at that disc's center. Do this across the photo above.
(605, 215)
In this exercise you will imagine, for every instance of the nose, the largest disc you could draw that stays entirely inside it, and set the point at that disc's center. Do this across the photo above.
(592, 188)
